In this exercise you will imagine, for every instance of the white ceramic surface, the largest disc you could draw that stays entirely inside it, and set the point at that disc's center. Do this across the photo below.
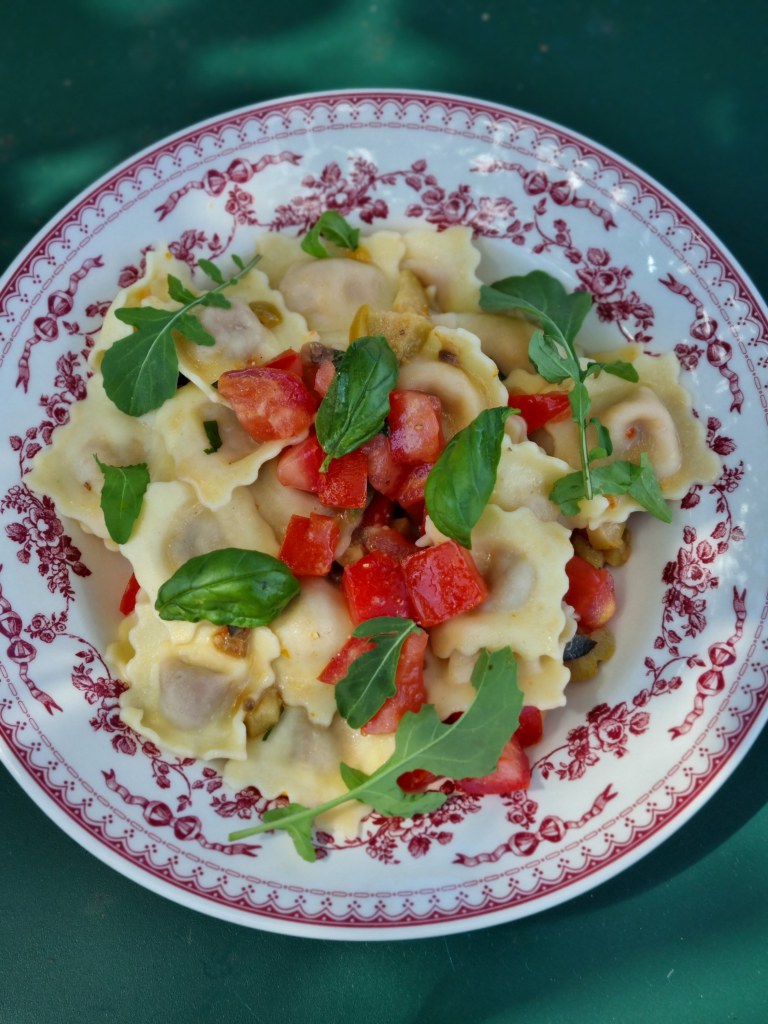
(635, 752)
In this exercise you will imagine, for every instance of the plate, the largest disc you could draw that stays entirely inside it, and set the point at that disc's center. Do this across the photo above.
(634, 753)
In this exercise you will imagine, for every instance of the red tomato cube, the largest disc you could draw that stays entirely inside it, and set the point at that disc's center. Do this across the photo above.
(443, 581)
(299, 465)
(384, 474)
(591, 594)
(380, 509)
(128, 600)
(269, 404)
(538, 410)
(374, 585)
(386, 539)
(410, 494)
(345, 483)
(512, 773)
(410, 692)
(339, 664)
(288, 360)
(309, 544)
(530, 726)
(415, 427)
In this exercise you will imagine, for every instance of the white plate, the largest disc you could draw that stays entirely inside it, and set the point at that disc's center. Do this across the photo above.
(633, 755)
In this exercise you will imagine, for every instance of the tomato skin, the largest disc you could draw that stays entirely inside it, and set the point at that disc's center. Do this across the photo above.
(325, 373)
(386, 539)
(339, 664)
(410, 693)
(384, 474)
(415, 781)
(128, 600)
(591, 594)
(443, 581)
(309, 544)
(538, 410)
(512, 773)
(530, 726)
(374, 585)
(288, 360)
(299, 465)
(345, 483)
(270, 404)
(379, 511)
(410, 493)
(415, 427)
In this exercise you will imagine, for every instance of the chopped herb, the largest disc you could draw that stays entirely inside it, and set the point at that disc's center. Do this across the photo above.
(334, 229)
(211, 428)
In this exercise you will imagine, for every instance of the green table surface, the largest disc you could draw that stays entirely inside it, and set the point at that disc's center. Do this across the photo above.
(676, 87)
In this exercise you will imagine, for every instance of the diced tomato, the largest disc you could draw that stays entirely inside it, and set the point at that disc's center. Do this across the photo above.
(299, 465)
(324, 374)
(345, 483)
(128, 600)
(288, 360)
(513, 772)
(384, 474)
(374, 585)
(443, 581)
(415, 781)
(309, 544)
(339, 664)
(530, 726)
(386, 539)
(410, 493)
(270, 404)
(410, 692)
(538, 410)
(379, 510)
(591, 594)
(415, 427)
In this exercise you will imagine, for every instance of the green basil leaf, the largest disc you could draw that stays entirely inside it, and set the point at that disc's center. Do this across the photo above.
(542, 297)
(333, 228)
(211, 428)
(371, 677)
(462, 479)
(229, 587)
(357, 402)
(140, 371)
(121, 497)
(469, 748)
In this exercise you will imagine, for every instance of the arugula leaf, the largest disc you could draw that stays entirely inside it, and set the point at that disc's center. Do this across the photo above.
(211, 428)
(542, 296)
(470, 747)
(461, 481)
(333, 228)
(371, 677)
(121, 497)
(229, 587)
(620, 477)
(357, 402)
(552, 352)
(140, 371)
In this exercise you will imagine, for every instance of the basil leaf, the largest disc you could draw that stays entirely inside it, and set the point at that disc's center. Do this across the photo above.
(470, 747)
(140, 371)
(229, 587)
(121, 497)
(371, 677)
(335, 229)
(357, 402)
(211, 428)
(462, 479)
(543, 297)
